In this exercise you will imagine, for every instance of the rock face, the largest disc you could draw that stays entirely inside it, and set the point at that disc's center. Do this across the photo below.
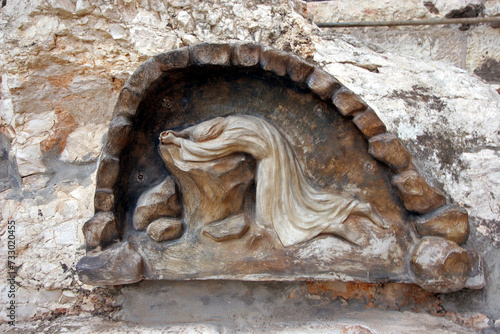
(63, 64)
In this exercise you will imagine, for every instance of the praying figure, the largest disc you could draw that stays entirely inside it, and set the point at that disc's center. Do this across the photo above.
(285, 200)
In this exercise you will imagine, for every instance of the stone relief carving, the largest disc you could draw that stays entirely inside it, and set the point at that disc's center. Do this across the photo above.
(285, 201)
(243, 162)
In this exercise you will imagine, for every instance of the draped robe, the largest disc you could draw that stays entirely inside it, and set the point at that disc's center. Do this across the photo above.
(285, 200)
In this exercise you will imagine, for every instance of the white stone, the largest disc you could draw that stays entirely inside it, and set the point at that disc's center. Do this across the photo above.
(185, 20)
(84, 144)
(83, 7)
(29, 160)
(117, 31)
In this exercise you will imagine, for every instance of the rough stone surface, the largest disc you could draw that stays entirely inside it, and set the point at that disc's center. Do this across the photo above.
(61, 73)
(471, 47)
(417, 195)
(449, 222)
(440, 265)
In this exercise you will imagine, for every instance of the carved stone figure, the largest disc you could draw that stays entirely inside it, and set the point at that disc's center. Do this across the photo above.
(285, 201)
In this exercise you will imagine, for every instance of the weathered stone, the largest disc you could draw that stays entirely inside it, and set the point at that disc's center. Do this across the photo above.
(144, 76)
(440, 265)
(275, 61)
(128, 101)
(119, 130)
(450, 222)
(107, 172)
(299, 70)
(118, 264)
(369, 123)
(475, 279)
(388, 148)
(104, 200)
(417, 195)
(100, 230)
(323, 84)
(233, 227)
(173, 59)
(247, 54)
(159, 201)
(348, 103)
(165, 229)
(214, 190)
(211, 54)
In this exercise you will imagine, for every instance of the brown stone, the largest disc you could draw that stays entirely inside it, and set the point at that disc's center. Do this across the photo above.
(247, 54)
(118, 264)
(165, 229)
(128, 101)
(233, 227)
(107, 172)
(159, 201)
(274, 61)
(348, 103)
(387, 148)
(104, 200)
(440, 265)
(299, 70)
(417, 195)
(100, 230)
(173, 59)
(214, 190)
(211, 54)
(450, 222)
(323, 84)
(144, 76)
(119, 130)
(369, 123)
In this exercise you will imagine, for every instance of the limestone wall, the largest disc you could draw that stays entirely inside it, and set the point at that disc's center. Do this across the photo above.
(471, 47)
(63, 63)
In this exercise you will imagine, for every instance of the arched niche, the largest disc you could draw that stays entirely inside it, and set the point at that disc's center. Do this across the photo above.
(156, 221)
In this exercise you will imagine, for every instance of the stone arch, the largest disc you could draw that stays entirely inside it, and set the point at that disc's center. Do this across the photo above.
(416, 194)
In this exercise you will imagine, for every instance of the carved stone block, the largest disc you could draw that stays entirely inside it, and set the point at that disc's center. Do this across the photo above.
(148, 73)
(100, 230)
(118, 264)
(247, 54)
(387, 148)
(233, 227)
(348, 103)
(165, 229)
(104, 200)
(440, 265)
(417, 195)
(274, 61)
(107, 172)
(211, 54)
(129, 100)
(369, 123)
(118, 133)
(171, 60)
(159, 201)
(323, 84)
(450, 222)
(299, 70)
